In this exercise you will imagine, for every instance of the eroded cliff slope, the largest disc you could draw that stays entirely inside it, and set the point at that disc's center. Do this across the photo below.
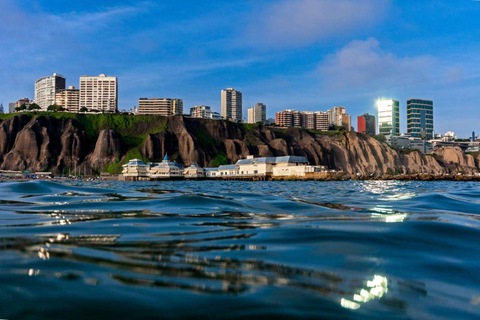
(93, 143)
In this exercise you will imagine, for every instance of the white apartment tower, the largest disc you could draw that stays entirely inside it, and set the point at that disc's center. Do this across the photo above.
(99, 93)
(257, 114)
(46, 89)
(232, 105)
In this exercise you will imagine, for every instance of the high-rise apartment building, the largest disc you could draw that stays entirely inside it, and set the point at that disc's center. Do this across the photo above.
(289, 118)
(69, 99)
(338, 116)
(160, 106)
(420, 118)
(308, 120)
(231, 105)
(321, 121)
(257, 114)
(99, 93)
(388, 118)
(46, 89)
(366, 124)
(204, 112)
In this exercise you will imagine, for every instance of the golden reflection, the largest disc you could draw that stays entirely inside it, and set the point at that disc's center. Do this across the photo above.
(375, 290)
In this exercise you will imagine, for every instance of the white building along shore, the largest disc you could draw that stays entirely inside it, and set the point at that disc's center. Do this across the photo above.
(266, 167)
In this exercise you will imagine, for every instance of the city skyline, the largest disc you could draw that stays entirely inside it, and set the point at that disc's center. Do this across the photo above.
(346, 57)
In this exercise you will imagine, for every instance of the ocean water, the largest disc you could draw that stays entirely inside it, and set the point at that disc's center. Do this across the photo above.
(215, 249)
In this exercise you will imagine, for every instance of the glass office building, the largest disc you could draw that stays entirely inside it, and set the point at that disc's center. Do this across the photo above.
(420, 118)
(388, 118)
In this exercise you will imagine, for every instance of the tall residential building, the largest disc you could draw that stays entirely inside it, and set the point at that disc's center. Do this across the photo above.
(11, 107)
(338, 116)
(366, 124)
(308, 120)
(321, 121)
(160, 107)
(99, 93)
(257, 114)
(231, 105)
(420, 118)
(204, 112)
(388, 118)
(46, 88)
(1, 108)
(69, 99)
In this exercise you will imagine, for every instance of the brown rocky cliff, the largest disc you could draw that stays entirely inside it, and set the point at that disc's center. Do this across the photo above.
(38, 143)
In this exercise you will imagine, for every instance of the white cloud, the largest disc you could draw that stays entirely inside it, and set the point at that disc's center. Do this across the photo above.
(363, 64)
(301, 22)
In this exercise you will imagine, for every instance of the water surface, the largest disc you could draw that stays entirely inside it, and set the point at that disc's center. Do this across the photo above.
(214, 249)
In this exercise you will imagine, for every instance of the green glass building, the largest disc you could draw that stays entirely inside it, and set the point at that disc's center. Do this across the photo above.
(388, 118)
(420, 118)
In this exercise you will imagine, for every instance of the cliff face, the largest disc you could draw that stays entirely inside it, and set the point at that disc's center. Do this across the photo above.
(67, 143)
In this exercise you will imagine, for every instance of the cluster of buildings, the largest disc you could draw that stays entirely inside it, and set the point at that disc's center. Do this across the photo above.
(100, 95)
(419, 121)
(251, 168)
(95, 94)
(319, 120)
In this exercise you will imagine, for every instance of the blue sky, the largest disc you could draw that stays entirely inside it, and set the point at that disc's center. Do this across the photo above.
(295, 54)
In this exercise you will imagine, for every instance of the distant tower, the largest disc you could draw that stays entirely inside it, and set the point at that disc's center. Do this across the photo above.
(1, 107)
(232, 105)
(257, 114)
(473, 136)
(420, 118)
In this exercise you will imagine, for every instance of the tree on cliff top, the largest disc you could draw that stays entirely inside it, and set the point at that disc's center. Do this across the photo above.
(21, 108)
(34, 107)
(55, 108)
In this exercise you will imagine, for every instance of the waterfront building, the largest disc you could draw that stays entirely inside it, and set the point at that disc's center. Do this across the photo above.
(204, 112)
(194, 172)
(99, 94)
(135, 170)
(420, 118)
(69, 99)
(366, 124)
(46, 89)
(211, 173)
(293, 166)
(321, 121)
(160, 107)
(228, 170)
(165, 170)
(258, 113)
(231, 100)
(11, 107)
(1, 108)
(388, 118)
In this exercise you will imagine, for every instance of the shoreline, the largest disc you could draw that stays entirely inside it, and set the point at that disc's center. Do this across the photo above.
(326, 177)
